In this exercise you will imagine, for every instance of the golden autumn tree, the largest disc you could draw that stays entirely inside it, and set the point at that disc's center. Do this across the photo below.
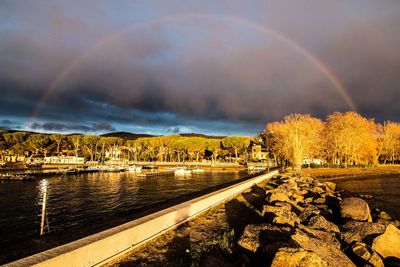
(390, 141)
(296, 137)
(351, 139)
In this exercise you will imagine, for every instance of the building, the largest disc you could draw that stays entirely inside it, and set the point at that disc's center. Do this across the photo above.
(307, 161)
(64, 160)
(258, 153)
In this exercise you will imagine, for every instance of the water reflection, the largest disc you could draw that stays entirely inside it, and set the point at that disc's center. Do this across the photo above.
(78, 204)
(385, 190)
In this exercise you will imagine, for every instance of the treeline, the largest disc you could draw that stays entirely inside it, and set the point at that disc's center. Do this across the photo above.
(343, 139)
(102, 148)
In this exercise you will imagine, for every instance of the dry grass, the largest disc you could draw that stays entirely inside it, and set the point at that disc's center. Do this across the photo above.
(183, 245)
(345, 172)
(203, 241)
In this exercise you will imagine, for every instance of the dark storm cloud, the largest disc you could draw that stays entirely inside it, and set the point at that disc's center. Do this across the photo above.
(188, 73)
(6, 122)
(61, 127)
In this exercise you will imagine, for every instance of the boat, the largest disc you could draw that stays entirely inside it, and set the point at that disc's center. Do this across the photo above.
(182, 171)
(135, 169)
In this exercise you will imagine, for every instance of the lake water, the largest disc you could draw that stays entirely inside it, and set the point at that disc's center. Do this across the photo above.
(385, 190)
(79, 205)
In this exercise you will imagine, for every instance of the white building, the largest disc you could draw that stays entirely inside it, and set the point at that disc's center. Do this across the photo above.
(64, 160)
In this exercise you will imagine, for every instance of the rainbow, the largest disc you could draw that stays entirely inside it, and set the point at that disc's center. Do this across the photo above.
(322, 68)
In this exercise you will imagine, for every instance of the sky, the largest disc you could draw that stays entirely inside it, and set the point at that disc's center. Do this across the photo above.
(213, 67)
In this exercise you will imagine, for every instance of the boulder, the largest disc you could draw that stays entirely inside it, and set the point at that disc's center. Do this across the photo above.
(330, 185)
(277, 195)
(300, 192)
(364, 255)
(319, 200)
(250, 237)
(319, 222)
(294, 257)
(317, 190)
(298, 198)
(284, 205)
(267, 209)
(361, 231)
(305, 179)
(308, 200)
(280, 215)
(355, 208)
(325, 250)
(286, 219)
(272, 238)
(307, 212)
(321, 235)
(388, 243)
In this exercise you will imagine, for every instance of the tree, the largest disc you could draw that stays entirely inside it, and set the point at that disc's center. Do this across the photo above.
(90, 144)
(390, 141)
(38, 142)
(295, 137)
(58, 139)
(235, 144)
(196, 146)
(351, 138)
(76, 143)
(214, 146)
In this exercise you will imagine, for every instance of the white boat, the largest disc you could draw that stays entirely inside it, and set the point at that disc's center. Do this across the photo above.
(135, 169)
(182, 171)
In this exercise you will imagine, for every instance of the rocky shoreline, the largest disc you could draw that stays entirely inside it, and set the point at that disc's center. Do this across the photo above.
(306, 222)
(291, 219)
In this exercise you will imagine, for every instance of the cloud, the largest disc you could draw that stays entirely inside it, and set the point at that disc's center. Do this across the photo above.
(61, 127)
(197, 74)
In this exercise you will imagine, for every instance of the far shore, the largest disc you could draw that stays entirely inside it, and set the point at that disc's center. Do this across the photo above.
(341, 173)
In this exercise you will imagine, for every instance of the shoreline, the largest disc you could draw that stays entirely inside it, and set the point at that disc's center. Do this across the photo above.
(243, 248)
(330, 173)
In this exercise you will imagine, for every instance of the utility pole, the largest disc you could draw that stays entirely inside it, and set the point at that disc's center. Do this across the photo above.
(43, 211)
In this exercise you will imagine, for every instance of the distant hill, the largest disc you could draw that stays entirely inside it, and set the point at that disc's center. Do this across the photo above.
(126, 135)
(201, 135)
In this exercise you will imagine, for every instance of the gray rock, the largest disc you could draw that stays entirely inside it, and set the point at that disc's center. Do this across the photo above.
(388, 244)
(325, 250)
(319, 222)
(292, 257)
(355, 208)
(361, 231)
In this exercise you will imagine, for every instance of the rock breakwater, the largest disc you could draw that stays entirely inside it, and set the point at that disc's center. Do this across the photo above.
(306, 222)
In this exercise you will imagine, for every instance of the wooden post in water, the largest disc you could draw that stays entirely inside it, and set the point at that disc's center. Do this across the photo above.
(43, 211)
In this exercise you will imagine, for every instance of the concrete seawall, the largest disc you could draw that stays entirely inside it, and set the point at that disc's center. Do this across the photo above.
(100, 248)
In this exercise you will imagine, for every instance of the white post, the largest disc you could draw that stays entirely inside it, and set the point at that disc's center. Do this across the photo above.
(43, 211)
